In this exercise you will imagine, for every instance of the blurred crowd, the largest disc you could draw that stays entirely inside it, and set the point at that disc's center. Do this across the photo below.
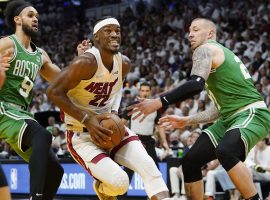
(155, 39)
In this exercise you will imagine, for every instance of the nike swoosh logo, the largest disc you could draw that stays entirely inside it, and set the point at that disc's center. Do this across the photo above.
(37, 194)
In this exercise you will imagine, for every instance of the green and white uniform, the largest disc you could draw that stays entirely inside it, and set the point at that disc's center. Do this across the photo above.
(240, 105)
(16, 95)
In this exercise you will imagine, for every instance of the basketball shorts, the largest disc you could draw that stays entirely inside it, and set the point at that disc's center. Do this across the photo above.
(12, 127)
(83, 150)
(254, 125)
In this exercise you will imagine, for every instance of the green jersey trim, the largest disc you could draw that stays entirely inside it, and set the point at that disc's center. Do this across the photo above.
(23, 48)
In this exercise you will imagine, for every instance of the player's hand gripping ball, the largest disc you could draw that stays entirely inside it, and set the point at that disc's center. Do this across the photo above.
(114, 124)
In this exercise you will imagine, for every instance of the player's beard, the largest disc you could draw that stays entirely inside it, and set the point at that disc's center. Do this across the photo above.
(29, 31)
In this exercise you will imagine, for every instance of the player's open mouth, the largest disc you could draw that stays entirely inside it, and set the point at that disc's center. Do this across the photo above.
(35, 26)
(114, 43)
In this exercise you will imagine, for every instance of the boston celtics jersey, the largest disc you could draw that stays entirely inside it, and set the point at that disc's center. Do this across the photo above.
(230, 86)
(24, 67)
(97, 94)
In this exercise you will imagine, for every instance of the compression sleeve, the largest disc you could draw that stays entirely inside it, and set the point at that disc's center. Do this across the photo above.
(190, 88)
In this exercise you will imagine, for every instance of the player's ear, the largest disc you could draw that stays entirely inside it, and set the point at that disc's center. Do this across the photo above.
(17, 20)
(211, 34)
(96, 38)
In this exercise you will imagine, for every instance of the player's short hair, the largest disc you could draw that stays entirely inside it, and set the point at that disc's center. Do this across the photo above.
(145, 84)
(14, 8)
(208, 21)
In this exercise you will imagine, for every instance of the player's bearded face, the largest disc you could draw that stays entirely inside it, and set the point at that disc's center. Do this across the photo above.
(29, 30)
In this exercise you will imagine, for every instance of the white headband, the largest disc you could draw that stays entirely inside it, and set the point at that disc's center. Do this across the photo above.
(105, 22)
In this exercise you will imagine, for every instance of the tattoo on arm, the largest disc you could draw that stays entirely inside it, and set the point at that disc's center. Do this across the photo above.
(202, 62)
(206, 116)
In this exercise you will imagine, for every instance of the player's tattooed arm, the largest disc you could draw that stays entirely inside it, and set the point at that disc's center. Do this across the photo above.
(207, 116)
(202, 61)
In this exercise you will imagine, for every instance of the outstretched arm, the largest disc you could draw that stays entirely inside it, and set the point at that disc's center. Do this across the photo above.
(202, 63)
(174, 121)
(207, 116)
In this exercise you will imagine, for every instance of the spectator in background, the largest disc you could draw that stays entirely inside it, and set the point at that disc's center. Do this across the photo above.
(53, 127)
(261, 170)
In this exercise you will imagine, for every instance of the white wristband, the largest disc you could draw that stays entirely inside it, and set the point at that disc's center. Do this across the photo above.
(84, 118)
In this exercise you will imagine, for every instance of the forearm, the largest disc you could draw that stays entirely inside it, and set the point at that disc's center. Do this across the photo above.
(163, 139)
(2, 78)
(206, 116)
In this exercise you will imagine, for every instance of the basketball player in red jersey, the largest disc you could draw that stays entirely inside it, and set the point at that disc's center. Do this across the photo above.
(90, 86)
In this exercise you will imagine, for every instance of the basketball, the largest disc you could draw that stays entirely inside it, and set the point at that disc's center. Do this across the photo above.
(115, 124)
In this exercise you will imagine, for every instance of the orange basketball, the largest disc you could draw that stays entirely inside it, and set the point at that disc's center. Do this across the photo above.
(115, 124)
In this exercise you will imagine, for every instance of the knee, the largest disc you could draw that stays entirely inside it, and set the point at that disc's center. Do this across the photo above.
(191, 169)
(226, 157)
(120, 183)
(187, 163)
(223, 154)
(148, 168)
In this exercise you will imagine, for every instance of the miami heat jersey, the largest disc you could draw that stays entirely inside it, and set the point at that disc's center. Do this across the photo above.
(97, 94)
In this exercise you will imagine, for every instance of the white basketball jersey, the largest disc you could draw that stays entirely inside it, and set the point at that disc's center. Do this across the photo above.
(97, 94)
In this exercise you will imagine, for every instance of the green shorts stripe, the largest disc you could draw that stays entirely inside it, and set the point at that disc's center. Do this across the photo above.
(21, 135)
(252, 114)
(212, 138)
(12, 115)
(246, 144)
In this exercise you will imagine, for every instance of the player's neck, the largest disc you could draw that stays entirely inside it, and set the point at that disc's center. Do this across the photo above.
(107, 59)
(23, 38)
